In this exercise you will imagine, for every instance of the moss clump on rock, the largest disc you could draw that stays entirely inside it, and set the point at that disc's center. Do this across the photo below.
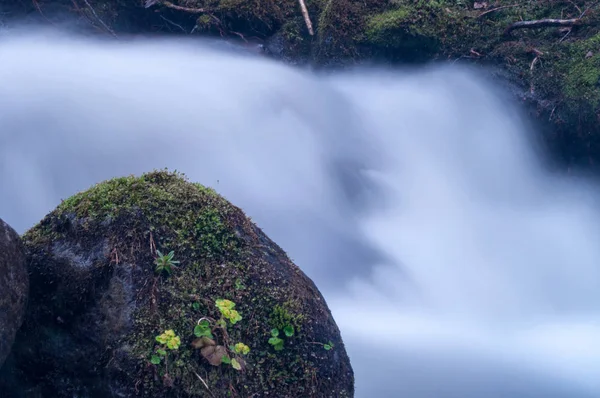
(98, 304)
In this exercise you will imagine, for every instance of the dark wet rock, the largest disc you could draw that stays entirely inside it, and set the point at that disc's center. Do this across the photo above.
(14, 287)
(98, 302)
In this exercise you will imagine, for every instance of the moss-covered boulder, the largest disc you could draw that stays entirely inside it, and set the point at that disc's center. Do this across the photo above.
(153, 286)
(14, 287)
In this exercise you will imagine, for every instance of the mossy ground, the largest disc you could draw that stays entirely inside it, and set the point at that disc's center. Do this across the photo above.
(394, 30)
(559, 66)
(223, 256)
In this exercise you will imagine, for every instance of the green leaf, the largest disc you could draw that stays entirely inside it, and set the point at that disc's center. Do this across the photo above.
(203, 329)
(161, 352)
(274, 332)
(225, 359)
(241, 348)
(279, 346)
(288, 330)
(235, 364)
(155, 359)
(196, 305)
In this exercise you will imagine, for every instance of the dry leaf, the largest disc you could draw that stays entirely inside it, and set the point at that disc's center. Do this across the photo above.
(478, 5)
(214, 354)
(202, 342)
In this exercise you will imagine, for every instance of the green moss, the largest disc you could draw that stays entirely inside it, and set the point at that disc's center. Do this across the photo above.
(284, 315)
(220, 252)
(582, 71)
(249, 17)
(388, 20)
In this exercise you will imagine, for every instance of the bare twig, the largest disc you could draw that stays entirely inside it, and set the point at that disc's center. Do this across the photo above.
(495, 9)
(552, 113)
(39, 9)
(239, 34)
(152, 245)
(575, 5)
(587, 9)
(537, 52)
(172, 23)
(543, 23)
(203, 382)
(533, 63)
(109, 30)
(306, 17)
(464, 56)
(565, 36)
(150, 3)
(580, 16)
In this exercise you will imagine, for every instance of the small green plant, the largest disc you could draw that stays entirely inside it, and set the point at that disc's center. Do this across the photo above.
(170, 339)
(241, 348)
(196, 305)
(165, 262)
(226, 307)
(167, 340)
(239, 285)
(282, 316)
(218, 354)
(203, 329)
(275, 341)
(328, 346)
(288, 330)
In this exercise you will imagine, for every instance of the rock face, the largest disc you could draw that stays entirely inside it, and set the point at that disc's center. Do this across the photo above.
(14, 287)
(157, 287)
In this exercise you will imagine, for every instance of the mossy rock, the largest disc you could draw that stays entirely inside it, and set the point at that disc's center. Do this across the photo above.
(14, 287)
(98, 302)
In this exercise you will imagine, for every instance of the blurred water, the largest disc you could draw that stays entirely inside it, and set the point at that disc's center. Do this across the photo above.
(454, 265)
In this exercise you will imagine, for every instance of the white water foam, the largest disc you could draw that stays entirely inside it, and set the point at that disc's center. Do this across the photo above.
(454, 264)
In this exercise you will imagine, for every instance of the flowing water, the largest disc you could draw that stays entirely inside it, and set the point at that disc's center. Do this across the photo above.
(454, 264)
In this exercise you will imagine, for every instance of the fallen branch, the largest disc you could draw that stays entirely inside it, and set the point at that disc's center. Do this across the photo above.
(306, 17)
(543, 23)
